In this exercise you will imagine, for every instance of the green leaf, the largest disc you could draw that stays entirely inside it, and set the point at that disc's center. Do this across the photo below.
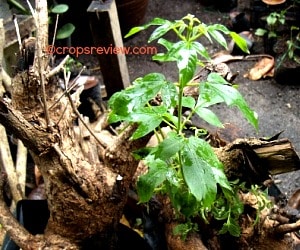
(232, 97)
(173, 54)
(156, 175)
(272, 18)
(272, 34)
(155, 21)
(65, 31)
(197, 173)
(123, 103)
(148, 118)
(200, 50)
(240, 42)
(218, 37)
(260, 32)
(19, 7)
(209, 116)
(232, 227)
(169, 95)
(60, 9)
(168, 147)
(188, 102)
(161, 30)
(186, 64)
(219, 27)
(167, 44)
(206, 152)
(221, 178)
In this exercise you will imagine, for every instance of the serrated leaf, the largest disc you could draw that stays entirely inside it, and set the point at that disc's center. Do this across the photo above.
(148, 118)
(207, 97)
(206, 152)
(209, 116)
(221, 178)
(134, 97)
(197, 173)
(240, 42)
(232, 97)
(168, 147)
(65, 31)
(156, 175)
(60, 9)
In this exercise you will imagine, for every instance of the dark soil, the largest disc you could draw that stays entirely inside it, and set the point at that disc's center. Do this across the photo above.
(277, 104)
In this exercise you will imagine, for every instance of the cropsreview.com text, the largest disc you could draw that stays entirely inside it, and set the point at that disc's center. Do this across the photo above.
(101, 50)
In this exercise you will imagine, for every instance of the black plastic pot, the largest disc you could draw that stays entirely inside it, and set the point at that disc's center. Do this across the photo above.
(33, 215)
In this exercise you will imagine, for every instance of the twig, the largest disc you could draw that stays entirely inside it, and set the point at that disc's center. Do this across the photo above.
(18, 32)
(68, 89)
(33, 12)
(58, 67)
(102, 144)
(55, 30)
(67, 92)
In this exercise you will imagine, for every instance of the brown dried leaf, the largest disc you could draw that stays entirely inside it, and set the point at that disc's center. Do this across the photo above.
(262, 69)
(224, 56)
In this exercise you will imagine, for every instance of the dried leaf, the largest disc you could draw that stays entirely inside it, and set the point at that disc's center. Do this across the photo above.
(224, 56)
(262, 69)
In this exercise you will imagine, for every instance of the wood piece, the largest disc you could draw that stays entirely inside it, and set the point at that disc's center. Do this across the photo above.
(276, 156)
(104, 23)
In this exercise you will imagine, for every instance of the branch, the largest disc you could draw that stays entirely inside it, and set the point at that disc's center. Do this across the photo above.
(41, 59)
(287, 228)
(58, 67)
(34, 137)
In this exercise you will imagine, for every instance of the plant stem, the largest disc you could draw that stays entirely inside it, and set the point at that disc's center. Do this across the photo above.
(179, 124)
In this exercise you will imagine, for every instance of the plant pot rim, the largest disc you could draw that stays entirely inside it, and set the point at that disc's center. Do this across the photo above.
(273, 2)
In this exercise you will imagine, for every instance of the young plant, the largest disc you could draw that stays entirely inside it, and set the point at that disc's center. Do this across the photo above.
(184, 168)
(274, 20)
(293, 47)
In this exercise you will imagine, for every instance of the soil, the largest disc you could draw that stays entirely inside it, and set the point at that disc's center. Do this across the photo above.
(276, 103)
